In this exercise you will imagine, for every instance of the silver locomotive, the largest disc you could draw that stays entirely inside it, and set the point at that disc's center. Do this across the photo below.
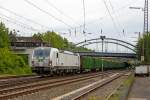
(48, 60)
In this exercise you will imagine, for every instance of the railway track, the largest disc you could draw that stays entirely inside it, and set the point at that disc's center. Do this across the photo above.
(16, 81)
(14, 77)
(79, 93)
(17, 78)
(20, 80)
(18, 90)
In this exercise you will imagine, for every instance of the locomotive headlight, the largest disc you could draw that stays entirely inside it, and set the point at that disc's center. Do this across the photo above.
(50, 62)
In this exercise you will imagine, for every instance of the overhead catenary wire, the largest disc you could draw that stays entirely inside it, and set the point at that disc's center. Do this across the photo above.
(99, 25)
(27, 19)
(82, 26)
(18, 24)
(84, 17)
(116, 11)
(117, 19)
(23, 24)
(60, 11)
(47, 13)
(113, 21)
(32, 21)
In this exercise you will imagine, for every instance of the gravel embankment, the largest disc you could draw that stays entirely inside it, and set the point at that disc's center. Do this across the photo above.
(102, 92)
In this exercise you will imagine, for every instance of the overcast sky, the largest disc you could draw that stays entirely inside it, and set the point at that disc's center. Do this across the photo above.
(64, 15)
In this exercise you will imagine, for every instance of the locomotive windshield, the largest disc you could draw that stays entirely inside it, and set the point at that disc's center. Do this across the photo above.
(41, 52)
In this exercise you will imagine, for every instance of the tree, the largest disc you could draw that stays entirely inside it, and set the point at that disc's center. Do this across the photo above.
(38, 36)
(13, 35)
(10, 63)
(53, 39)
(143, 48)
(56, 41)
(4, 37)
(66, 43)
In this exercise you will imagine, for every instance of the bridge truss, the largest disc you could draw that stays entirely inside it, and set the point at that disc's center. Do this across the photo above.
(108, 40)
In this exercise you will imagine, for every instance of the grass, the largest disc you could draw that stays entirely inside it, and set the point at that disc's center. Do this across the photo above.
(123, 89)
(6, 75)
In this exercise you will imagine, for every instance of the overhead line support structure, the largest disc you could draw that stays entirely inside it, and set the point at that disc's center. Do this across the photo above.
(146, 29)
(146, 17)
(102, 37)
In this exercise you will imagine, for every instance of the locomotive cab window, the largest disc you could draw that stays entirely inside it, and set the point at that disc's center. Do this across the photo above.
(57, 55)
(41, 52)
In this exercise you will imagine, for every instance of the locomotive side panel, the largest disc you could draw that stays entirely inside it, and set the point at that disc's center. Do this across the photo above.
(68, 61)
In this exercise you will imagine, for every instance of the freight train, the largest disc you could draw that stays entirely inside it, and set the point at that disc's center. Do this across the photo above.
(48, 60)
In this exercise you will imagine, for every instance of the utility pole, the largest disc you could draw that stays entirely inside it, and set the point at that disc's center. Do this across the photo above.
(145, 44)
(145, 30)
(102, 38)
(146, 17)
(106, 46)
(145, 9)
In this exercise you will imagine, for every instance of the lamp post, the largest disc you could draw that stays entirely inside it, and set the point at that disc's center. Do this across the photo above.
(102, 38)
(145, 25)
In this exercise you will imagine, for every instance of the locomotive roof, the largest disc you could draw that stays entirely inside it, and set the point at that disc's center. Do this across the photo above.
(61, 51)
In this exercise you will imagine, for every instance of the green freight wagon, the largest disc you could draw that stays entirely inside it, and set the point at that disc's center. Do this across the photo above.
(97, 63)
(87, 63)
(94, 63)
(113, 65)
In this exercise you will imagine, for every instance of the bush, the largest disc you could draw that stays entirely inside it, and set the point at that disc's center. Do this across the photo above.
(4, 38)
(24, 57)
(12, 64)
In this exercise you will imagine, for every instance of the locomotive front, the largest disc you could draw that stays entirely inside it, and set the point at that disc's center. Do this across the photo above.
(41, 60)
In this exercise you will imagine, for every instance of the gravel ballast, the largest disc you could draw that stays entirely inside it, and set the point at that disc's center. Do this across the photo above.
(57, 91)
(102, 92)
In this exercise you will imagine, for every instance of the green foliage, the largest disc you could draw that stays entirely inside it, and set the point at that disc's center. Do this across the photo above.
(4, 38)
(66, 43)
(57, 41)
(9, 62)
(24, 57)
(12, 64)
(143, 47)
(13, 35)
(54, 40)
(37, 36)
